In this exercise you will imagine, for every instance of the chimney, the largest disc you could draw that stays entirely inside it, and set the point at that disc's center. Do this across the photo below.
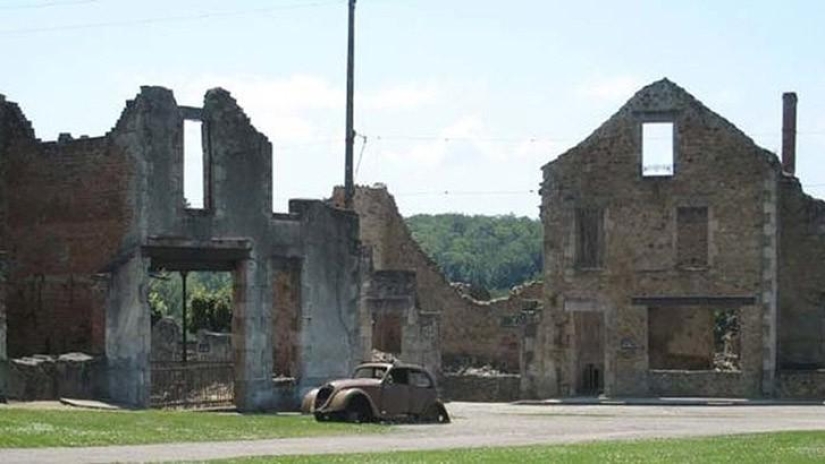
(789, 132)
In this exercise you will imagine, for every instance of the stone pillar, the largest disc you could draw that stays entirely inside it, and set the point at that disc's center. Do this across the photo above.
(129, 333)
(252, 338)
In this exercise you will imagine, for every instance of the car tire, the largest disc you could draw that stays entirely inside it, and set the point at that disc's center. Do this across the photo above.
(437, 414)
(358, 411)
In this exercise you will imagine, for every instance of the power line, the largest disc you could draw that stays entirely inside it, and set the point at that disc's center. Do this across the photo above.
(166, 19)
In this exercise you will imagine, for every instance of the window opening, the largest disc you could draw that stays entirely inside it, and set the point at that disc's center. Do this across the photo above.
(588, 238)
(657, 149)
(694, 338)
(193, 165)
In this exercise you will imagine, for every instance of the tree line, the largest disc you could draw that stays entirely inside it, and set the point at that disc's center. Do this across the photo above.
(494, 252)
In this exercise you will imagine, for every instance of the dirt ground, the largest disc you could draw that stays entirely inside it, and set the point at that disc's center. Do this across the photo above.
(476, 425)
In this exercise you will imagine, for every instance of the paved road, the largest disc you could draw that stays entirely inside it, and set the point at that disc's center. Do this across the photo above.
(475, 425)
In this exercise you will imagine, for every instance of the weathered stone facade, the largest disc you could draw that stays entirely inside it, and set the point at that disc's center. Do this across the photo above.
(649, 260)
(85, 221)
(469, 332)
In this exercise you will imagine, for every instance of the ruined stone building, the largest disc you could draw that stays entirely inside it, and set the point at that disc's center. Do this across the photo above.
(680, 259)
(441, 327)
(83, 223)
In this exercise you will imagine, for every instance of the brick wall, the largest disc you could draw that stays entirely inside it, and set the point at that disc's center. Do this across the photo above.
(67, 215)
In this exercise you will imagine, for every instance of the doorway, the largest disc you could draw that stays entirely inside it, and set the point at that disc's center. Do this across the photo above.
(588, 327)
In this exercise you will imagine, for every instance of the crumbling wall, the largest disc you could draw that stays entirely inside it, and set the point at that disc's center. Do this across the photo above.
(67, 216)
(331, 283)
(88, 219)
(471, 333)
(801, 279)
(717, 167)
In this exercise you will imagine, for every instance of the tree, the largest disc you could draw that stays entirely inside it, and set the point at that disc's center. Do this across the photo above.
(495, 252)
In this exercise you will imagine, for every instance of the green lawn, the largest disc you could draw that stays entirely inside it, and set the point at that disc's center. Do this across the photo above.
(35, 428)
(786, 447)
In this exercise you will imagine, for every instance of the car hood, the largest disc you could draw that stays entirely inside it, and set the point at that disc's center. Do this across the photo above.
(354, 383)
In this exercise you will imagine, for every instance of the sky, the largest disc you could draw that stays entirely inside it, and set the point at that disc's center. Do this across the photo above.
(458, 103)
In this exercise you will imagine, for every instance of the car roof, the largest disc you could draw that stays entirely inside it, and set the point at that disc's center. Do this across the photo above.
(386, 365)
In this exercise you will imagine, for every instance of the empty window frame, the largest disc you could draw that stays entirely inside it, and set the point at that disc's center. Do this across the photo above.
(589, 238)
(692, 237)
(657, 149)
(193, 164)
(693, 338)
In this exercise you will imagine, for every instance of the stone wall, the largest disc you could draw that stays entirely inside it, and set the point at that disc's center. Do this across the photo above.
(801, 384)
(698, 383)
(3, 352)
(48, 377)
(89, 219)
(471, 333)
(718, 168)
(801, 277)
(481, 388)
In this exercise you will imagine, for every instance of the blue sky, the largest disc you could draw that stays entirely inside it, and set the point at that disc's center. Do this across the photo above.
(464, 97)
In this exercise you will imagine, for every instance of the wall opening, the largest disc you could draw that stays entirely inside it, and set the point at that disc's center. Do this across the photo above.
(727, 353)
(589, 233)
(286, 319)
(589, 334)
(692, 237)
(194, 193)
(657, 149)
(387, 331)
(191, 353)
(693, 338)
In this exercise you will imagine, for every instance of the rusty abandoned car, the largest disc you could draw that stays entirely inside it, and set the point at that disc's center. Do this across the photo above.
(378, 392)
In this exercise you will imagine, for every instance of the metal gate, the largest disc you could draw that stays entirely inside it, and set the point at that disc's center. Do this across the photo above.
(192, 384)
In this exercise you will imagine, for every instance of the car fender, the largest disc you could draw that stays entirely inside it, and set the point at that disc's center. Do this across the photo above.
(341, 400)
(308, 403)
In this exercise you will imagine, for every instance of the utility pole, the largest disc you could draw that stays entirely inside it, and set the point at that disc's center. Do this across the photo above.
(349, 187)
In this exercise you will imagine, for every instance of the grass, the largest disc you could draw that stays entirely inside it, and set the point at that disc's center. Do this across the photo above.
(785, 447)
(30, 428)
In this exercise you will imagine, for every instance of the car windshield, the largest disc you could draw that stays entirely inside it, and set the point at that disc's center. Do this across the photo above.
(369, 372)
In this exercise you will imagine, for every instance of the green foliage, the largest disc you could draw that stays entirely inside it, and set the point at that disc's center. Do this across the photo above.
(211, 311)
(209, 295)
(495, 252)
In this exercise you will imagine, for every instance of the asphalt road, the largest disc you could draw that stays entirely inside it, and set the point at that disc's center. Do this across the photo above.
(475, 425)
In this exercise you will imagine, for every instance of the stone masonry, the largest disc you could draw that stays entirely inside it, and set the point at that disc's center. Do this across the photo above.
(638, 265)
(469, 332)
(84, 222)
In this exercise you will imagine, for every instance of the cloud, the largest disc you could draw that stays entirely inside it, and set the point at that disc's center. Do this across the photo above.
(610, 89)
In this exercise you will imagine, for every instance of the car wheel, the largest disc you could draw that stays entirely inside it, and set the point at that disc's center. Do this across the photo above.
(436, 413)
(358, 411)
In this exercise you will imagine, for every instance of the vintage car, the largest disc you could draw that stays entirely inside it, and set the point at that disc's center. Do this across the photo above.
(378, 392)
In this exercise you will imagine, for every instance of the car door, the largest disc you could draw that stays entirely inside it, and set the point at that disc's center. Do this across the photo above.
(395, 392)
(422, 391)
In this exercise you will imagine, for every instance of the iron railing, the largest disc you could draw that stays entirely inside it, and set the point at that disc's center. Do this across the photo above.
(192, 384)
